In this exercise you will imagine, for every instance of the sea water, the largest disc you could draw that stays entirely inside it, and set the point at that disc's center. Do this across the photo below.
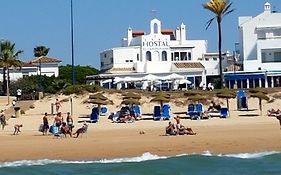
(262, 163)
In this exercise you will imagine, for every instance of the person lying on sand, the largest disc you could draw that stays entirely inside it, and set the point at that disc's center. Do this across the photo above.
(181, 130)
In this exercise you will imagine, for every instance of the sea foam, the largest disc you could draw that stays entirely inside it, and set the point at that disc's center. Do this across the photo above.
(144, 157)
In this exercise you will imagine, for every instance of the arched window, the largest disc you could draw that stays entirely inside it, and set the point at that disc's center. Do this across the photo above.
(164, 56)
(155, 27)
(148, 56)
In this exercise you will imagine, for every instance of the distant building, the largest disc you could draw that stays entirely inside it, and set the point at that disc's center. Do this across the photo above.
(161, 53)
(260, 51)
(47, 66)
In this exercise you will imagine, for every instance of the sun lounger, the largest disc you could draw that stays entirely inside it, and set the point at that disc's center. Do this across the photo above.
(94, 117)
(157, 113)
(224, 112)
(166, 113)
(191, 111)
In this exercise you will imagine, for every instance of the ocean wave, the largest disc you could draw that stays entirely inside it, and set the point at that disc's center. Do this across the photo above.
(144, 157)
(251, 155)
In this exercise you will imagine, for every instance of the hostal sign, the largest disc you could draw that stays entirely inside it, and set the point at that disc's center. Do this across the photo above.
(155, 44)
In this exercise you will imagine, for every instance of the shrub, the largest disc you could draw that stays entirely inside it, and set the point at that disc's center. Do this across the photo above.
(80, 89)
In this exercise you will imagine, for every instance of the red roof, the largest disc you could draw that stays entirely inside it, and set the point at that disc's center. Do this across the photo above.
(45, 59)
(138, 33)
(167, 31)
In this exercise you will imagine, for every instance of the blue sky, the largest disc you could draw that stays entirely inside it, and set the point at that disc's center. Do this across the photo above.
(101, 24)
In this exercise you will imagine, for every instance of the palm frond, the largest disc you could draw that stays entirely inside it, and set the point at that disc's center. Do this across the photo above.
(209, 23)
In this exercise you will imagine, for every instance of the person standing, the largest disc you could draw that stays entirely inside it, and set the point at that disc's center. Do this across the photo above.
(58, 105)
(45, 124)
(69, 121)
(19, 91)
(3, 119)
(279, 118)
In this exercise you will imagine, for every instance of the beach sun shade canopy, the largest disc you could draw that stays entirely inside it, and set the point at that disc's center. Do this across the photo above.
(150, 77)
(184, 81)
(173, 76)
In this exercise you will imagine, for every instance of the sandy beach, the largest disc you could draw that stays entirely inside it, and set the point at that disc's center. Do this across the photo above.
(241, 133)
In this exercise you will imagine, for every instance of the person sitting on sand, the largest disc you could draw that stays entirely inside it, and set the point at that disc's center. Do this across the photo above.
(181, 130)
(65, 129)
(170, 129)
(17, 128)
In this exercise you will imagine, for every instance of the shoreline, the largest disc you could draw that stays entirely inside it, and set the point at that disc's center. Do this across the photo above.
(111, 141)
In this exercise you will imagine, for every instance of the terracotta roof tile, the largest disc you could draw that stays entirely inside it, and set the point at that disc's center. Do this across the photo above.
(119, 69)
(188, 65)
(45, 59)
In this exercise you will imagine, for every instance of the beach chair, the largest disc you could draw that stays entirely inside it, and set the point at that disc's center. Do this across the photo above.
(157, 113)
(199, 109)
(103, 110)
(166, 112)
(191, 111)
(94, 117)
(224, 113)
(137, 111)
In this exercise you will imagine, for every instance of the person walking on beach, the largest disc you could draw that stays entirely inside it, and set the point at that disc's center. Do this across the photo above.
(69, 121)
(45, 124)
(3, 119)
(58, 105)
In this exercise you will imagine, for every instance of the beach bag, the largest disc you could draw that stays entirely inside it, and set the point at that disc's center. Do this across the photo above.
(41, 128)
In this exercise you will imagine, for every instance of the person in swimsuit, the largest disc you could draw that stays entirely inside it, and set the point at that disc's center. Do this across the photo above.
(181, 130)
(69, 121)
(45, 124)
(170, 129)
(58, 105)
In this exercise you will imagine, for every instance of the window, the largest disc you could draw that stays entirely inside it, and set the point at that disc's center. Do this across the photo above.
(215, 58)
(189, 55)
(126, 61)
(164, 56)
(172, 56)
(206, 59)
(271, 55)
(130, 61)
(105, 55)
(183, 56)
(155, 27)
(177, 55)
(148, 56)
(138, 57)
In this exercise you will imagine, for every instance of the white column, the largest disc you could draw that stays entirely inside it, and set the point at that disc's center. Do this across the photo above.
(259, 82)
(248, 83)
(272, 82)
(266, 82)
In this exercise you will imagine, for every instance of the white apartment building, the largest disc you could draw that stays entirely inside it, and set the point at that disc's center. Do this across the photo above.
(40, 65)
(260, 50)
(160, 53)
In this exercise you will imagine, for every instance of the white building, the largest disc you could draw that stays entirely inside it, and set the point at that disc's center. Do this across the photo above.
(47, 66)
(161, 52)
(260, 50)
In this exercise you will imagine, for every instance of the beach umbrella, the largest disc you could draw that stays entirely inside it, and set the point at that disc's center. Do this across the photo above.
(98, 102)
(98, 96)
(191, 93)
(197, 97)
(227, 94)
(150, 77)
(256, 90)
(131, 95)
(131, 101)
(261, 96)
(161, 99)
(163, 94)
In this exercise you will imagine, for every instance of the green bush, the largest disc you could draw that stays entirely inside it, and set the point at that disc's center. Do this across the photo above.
(80, 89)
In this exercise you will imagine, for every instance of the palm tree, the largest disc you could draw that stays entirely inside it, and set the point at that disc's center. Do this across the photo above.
(220, 8)
(41, 51)
(8, 58)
